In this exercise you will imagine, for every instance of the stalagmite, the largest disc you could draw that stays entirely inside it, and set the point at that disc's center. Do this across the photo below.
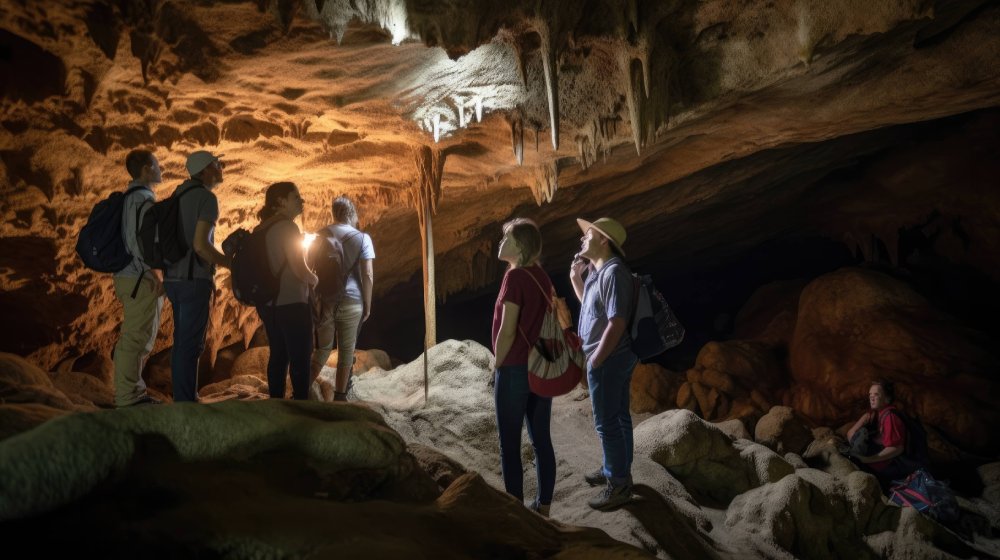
(427, 192)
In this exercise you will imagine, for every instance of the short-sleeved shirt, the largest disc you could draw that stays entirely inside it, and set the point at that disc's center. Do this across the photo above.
(521, 287)
(200, 205)
(357, 246)
(135, 204)
(280, 234)
(607, 293)
(891, 433)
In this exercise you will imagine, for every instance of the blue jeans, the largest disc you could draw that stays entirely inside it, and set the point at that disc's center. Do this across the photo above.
(190, 300)
(290, 333)
(515, 403)
(609, 396)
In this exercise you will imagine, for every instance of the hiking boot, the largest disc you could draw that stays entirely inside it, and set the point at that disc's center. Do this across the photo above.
(540, 509)
(596, 478)
(145, 399)
(612, 497)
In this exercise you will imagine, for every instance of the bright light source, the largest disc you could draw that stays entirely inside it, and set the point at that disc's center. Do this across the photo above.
(307, 240)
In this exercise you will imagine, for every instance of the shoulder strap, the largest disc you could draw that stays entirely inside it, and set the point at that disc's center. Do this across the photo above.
(361, 249)
(548, 302)
(548, 299)
(131, 190)
(636, 285)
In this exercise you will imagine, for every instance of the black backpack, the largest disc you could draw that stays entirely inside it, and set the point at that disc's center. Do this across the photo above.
(161, 235)
(653, 326)
(252, 279)
(326, 255)
(100, 244)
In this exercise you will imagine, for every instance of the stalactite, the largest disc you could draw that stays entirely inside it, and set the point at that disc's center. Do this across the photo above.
(427, 192)
(516, 122)
(522, 64)
(632, 99)
(546, 183)
(549, 68)
(643, 51)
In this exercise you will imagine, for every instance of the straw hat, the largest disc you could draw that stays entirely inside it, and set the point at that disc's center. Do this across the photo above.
(608, 228)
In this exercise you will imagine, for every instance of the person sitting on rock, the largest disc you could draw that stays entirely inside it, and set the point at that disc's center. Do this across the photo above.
(888, 430)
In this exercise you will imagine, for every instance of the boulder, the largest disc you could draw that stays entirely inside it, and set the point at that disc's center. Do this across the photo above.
(654, 388)
(783, 431)
(706, 460)
(856, 325)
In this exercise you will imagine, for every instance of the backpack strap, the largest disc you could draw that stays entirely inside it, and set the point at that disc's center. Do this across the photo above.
(357, 259)
(281, 269)
(636, 284)
(194, 254)
(138, 213)
(548, 303)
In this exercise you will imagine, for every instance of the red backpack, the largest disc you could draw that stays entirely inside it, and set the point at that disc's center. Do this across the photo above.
(556, 360)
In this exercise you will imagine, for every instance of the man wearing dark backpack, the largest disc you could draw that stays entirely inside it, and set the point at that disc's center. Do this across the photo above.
(345, 306)
(139, 290)
(190, 281)
(606, 305)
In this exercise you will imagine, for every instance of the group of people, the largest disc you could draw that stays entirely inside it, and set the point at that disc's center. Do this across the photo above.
(190, 283)
(600, 278)
(603, 284)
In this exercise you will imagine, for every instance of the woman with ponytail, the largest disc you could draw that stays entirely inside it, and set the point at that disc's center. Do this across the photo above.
(288, 319)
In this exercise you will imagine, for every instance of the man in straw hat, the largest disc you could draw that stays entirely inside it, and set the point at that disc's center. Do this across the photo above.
(605, 295)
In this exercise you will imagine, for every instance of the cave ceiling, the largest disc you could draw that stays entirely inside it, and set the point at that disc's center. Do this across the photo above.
(699, 124)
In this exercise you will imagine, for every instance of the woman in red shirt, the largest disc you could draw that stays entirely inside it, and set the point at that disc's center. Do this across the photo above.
(517, 322)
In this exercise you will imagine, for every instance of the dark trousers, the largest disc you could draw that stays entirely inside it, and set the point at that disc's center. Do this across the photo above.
(290, 333)
(190, 301)
(515, 404)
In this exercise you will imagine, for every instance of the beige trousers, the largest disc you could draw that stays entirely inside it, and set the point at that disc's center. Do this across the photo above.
(139, 328)
(338, 325)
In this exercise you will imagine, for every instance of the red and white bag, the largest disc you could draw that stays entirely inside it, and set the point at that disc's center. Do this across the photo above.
(556, 360)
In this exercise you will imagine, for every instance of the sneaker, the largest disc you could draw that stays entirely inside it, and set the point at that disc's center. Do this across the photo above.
(596, 478)
(612, 497)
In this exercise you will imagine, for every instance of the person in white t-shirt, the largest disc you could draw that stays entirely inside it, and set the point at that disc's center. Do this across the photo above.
(340, 321)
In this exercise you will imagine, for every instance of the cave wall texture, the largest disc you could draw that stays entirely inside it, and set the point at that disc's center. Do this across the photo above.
(708, 127)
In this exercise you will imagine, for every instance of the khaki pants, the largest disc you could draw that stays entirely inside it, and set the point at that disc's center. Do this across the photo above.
(139, 327)
(338, 325)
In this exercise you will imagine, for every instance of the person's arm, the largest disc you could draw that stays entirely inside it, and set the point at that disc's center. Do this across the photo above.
(367, 281)
(886, 454)
(610, 338)
(204, 248)
(576, 277)
(865, 418)
(508, 330)
(296, 259)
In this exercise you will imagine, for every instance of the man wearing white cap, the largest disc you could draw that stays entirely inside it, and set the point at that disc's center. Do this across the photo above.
(190, 282)
(606, 305)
